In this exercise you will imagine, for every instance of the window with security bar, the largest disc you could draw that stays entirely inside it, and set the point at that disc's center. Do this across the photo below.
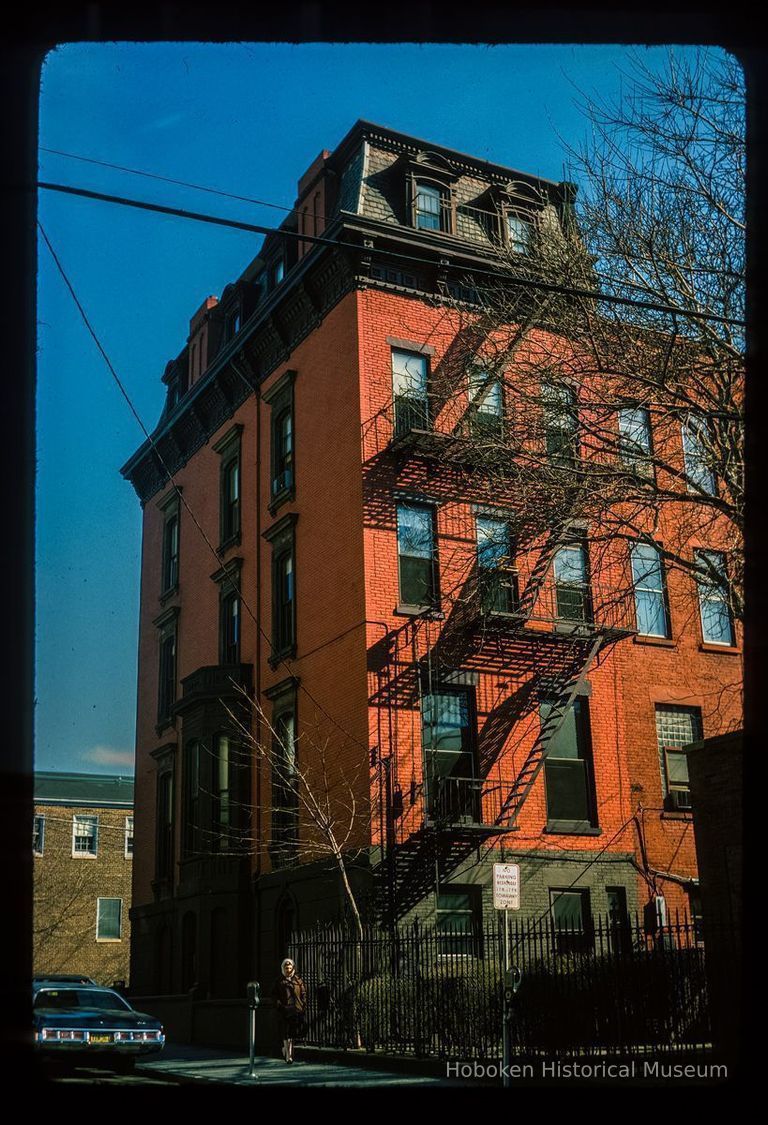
(128, 837)
(635, 443)
(573, 600)
(458, 921)
(486, 404)
(451, 790)
(676, 728)
(561, 424)
(497, 578)
(409, 391)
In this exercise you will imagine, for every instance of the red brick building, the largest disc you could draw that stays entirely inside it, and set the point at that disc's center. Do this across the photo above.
(317, 549)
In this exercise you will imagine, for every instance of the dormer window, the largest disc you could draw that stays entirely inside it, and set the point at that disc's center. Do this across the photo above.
(430, 179)
(519, 231)
(278, 272)
(429, 206)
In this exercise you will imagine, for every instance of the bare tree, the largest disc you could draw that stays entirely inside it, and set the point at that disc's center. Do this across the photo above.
(317, 803)
(613, 334)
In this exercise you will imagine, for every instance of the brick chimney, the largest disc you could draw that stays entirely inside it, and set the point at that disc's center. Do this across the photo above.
(199, 341)
(314, 200)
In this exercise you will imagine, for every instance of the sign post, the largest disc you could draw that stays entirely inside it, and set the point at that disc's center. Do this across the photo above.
(506, 897)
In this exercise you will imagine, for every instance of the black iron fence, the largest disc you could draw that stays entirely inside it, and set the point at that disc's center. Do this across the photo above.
(611, 989)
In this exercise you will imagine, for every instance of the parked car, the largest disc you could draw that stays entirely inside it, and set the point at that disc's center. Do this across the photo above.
(75, 1017)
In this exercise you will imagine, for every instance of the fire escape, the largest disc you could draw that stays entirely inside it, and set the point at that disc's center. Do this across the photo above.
(546, 636)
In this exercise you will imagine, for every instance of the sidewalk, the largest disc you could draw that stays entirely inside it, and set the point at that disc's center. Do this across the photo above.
(206, 1065)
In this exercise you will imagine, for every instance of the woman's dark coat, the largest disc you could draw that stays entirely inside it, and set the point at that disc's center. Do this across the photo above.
(290, 996)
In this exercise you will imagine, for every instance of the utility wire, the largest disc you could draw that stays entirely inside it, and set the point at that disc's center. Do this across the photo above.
(532, 283)
(179, 492)
(170, 180)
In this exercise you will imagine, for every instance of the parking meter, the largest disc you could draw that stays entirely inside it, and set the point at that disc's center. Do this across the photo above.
(254, 999)
(512, 978)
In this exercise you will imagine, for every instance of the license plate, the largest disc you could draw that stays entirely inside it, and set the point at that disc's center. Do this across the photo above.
(101, 1039)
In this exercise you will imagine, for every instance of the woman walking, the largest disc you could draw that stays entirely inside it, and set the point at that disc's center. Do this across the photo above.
(291, 999)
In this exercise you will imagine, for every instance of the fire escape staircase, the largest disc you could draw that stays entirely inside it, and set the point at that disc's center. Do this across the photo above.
(432, 853)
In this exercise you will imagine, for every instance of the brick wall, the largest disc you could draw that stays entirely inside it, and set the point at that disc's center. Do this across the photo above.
(66, 890)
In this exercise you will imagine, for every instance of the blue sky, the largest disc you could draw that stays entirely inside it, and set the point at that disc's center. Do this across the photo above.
(243, 118)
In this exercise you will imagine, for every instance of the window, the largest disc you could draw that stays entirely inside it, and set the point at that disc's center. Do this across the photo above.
(282, 537)
(676, 727)
(519, 233)
(229, 487)
(697, 440)
(191, 821)
(222, 793)
(485, 403)
(448, 739)
(282, 469)
(409, 384)
(167, 625)
(571, 920)
(497, 581)
(429, 207)
(38, 835)
(568, 768)
(714, 599)
(109, 919)
(651, 613)
(128, 837)
(635, 441)
(230, 500)
(164, 840)
(416, 555)
(573, 601)
(282, 478)
(560, 424)
(278, 272)
(285, 794)
(459, 921)
(171, 551)
(229, 608)
(619, 935)
(85, 835)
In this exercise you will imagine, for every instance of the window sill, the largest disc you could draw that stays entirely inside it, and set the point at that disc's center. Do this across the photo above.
(168, 594)
(419, 611)
(677, 814)
(659, 642)
(278, 657)
(571, 828)
(85, 855)
(227, 544)
(280, 498)
(109, 940)
(165, 724)
(722, 650)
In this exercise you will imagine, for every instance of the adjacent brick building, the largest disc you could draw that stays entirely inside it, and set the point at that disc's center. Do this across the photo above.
(83, 849)
(319, 575)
